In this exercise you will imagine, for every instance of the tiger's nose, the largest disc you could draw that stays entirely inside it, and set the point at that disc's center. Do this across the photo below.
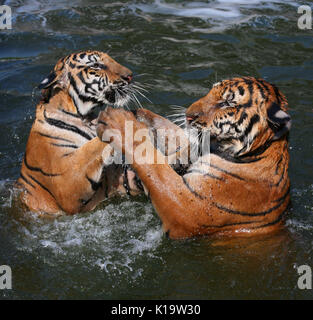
(191, 117)
(128, 78)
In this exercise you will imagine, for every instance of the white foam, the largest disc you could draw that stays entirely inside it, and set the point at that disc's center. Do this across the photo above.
(40, 6)
(298, 225)
(112, 238)
(218, 12)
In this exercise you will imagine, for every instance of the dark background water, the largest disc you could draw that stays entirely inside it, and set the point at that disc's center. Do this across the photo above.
(179, 49)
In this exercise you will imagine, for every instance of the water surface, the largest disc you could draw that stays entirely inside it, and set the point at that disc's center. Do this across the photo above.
(179, 49)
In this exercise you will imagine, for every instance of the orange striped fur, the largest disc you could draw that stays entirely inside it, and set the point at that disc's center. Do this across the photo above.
(242, 186)
(66, 168)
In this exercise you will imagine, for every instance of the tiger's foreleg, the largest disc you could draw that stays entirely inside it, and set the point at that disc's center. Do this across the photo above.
(88, 177)
(194, 203)
(169, 194)
(168, 138)
(71, 184)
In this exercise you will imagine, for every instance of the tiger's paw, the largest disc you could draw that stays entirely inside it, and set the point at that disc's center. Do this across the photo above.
(155, 121)
(113, 124)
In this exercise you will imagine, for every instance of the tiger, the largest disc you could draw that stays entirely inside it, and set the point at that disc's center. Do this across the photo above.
(239, 186)
(66, 168)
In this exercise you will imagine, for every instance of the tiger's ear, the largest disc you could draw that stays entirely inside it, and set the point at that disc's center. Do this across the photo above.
(57, 75)
(48, 81)
(279, 120)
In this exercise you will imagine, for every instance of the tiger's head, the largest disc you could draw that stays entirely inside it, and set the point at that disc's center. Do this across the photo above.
(91, 78)
(240, 115)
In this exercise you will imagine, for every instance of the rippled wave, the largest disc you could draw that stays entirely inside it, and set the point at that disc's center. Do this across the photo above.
(179, 49)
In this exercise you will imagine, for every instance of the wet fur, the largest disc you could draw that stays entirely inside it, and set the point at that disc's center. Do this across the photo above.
(242, 186)
(66, 167)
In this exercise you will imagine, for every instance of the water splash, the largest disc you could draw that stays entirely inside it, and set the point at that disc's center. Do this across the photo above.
(221, 13)
(111, 238)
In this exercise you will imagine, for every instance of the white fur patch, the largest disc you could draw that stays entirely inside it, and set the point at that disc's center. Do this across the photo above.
(280, 114)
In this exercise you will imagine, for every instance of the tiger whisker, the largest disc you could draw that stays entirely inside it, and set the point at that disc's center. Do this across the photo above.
(176, 106)
(142, 74)
(134, 90)
(136, 99)
(142, 86)
(131, 94)
(176, 115)
(178, 120)
(131, 97)
(143, 95)
(139, 87)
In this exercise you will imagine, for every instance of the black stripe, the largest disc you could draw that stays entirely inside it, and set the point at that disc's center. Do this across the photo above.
(46, 189)
(250, 88)
(258, 151)
(65, 145)
(191, 190)
(73, 83)
(67, 154)
(125, 181)
(261, 89)
(243, 117)
(26, 180)
(262, 213)
(227, 172)
(81, 77)
(230, 224)
(102, 122)
(224, 91)
(283, 197)
(280, 217)
(205, 174)
(243, 160)
(53, 137)
(138, 183)
(71, 114)
(42, 186)
(265, 86)
(240, 160)
(278, 164)
(214, 177)
(37, 169)
(241, 90)
(281, 177)
(277, 93)
(284, 185)
(94, 185)
(65, 126)
(81, 97)
(255, 119)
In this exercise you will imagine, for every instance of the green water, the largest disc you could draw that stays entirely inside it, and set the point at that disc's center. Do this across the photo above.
(179, 49)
